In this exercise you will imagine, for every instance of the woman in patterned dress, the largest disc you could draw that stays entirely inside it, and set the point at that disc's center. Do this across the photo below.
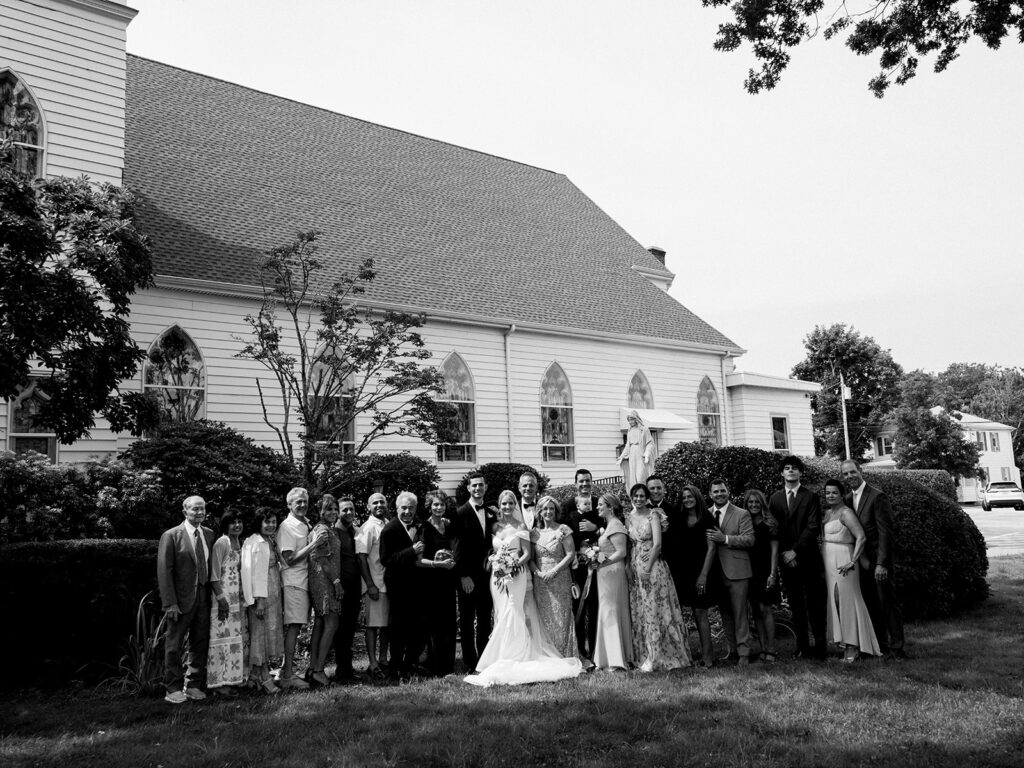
(553, 553)
(261, 587)
(226, 667)
(659, 639)
(325, 590)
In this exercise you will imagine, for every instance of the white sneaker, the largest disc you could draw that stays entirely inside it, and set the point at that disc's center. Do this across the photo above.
(176, 697)
(195, 694)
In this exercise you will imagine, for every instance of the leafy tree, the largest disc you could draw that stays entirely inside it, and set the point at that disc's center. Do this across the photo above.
(932, 439)
(334, 363)
(71, 258)
(869, 371)
(900, 32)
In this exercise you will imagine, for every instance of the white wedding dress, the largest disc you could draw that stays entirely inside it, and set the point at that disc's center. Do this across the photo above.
(516, 651)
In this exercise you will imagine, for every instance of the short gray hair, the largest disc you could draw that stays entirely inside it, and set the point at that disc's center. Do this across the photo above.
(406, 495)
(185, 503)
(295, 493)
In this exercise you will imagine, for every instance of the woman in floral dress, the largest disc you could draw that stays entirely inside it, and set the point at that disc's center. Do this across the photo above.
(659, 639)
(325, 590)
(226, 667)
(261, 587)
(553, 553)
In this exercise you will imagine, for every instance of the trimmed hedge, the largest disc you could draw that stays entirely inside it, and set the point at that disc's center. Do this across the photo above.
(500, 477)
(390, 473)
(941, 559)
(938, 480)
(71, 606)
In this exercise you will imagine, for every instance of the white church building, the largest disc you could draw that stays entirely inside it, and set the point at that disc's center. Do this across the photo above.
(547, 318)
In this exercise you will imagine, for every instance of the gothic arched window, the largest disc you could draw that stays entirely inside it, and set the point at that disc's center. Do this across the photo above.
(640, 394)
(460, 392)
(557, 437)
(176, 375)
(708, 415)
(21, 122)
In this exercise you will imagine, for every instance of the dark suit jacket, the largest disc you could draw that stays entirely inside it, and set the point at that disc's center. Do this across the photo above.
(573, 518)
(177, 572)
(398, 557)
(472, 545)
(875, 514)
(799, 529)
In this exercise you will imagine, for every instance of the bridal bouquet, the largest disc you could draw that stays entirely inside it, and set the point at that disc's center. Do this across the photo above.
(442, 556)
(592, 556)
(505, 567)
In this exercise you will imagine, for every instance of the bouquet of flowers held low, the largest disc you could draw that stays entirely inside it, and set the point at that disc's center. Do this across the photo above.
(591, 556)
(505, 566)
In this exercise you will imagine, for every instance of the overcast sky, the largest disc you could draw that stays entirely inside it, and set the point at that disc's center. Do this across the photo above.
(811, 204)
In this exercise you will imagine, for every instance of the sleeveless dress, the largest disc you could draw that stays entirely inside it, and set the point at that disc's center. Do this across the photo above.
(614, 646)
(226, 663)
(848, 619)
(554, 597)
(517, 651)
(659, 639)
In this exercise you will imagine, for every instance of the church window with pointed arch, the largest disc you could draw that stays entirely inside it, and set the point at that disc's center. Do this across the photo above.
(21, 123)
(461, 394)
(175, 374)
(709, 417)
(556, 419)
(640, 394)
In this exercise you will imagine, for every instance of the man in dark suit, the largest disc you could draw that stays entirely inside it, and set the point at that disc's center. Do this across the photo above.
(351, 584)
(183, 574)
(734, 536)
(877, 583)
(669, 550)
(400, 550)
(798, 511)
(473, 527)
(585, 525)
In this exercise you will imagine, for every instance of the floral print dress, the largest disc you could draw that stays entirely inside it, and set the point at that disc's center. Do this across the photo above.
(226, 663)
(659, 638)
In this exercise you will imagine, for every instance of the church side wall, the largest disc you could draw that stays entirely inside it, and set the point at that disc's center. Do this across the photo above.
(752, 410)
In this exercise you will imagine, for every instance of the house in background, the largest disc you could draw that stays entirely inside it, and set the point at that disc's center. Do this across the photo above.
(995, 448)
(547, 319)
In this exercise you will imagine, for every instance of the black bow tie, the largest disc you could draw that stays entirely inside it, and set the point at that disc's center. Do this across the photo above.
(481, 509)
(527, 506)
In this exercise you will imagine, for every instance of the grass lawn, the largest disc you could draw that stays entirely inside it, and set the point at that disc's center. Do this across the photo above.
(958, 701)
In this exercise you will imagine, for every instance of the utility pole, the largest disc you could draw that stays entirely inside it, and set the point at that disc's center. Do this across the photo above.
(844, 395)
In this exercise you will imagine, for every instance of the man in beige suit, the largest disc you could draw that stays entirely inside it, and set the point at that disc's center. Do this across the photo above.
(734, 536)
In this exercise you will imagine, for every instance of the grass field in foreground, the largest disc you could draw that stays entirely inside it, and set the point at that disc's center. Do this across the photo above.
(958, 701)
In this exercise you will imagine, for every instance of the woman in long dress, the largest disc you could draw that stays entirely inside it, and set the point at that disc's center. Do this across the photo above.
(659, 639)
(439, 587)
(848, 620)
(639, 454)
(226, 667)
(516, 651)
(614, 647)
(763, 592)
(261, 588)
(325, 590)
(553, 554)
(694, 582)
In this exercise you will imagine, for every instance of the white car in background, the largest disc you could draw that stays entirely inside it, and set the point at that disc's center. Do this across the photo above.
(1002, 495)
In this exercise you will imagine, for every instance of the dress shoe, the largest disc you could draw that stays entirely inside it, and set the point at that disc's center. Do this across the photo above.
(195, 694)
(293, 682)
(176, 697)
(743, 661)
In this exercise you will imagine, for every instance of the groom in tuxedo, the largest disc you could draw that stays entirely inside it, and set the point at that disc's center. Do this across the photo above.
(473, 527)
(528, 498)
(585, 527)
(400, 550)
(877, 584)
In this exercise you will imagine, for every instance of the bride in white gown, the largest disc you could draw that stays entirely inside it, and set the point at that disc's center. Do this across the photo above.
(516, 651)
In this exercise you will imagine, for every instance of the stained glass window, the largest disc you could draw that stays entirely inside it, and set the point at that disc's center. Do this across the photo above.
(176, 376)
(20, 122)
(708, 416)
(459, 391)
(557, 438)
(640, 395)
(25, 434)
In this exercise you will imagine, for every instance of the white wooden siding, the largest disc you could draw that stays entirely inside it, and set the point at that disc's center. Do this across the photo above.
(73, 61)
(752, 409)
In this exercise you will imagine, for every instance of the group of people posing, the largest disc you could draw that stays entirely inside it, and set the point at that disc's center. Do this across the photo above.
(539, 591)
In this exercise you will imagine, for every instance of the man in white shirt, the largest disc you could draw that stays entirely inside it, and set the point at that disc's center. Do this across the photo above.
(375, 597)
(183, 574)
(528, 497)
(294, 544)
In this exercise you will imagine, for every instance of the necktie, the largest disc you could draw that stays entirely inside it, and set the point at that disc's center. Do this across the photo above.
(790, 499)
(200, 559)
(718, 516)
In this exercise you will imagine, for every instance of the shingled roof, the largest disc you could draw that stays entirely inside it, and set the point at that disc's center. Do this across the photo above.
(224, 173)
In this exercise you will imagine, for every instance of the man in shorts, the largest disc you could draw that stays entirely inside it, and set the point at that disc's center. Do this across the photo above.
(294, 544)
(375, 595)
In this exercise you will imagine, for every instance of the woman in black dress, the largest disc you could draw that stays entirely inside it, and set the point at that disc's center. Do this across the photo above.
(696, 554)
(763, 593)
(440, 583)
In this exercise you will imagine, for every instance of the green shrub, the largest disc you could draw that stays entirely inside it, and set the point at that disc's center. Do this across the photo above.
(565, 495)
(500, 477)
(74, 606)
(938, 480)
(387, 473)
(43, 501)
(699, 464)
(216, 462)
